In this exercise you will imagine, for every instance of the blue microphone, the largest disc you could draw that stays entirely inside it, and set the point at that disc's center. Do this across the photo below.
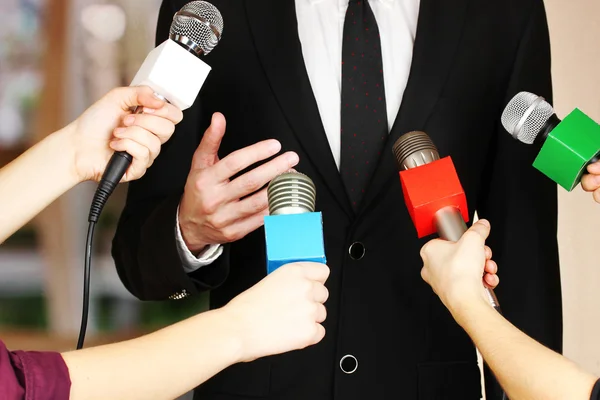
(293, 230)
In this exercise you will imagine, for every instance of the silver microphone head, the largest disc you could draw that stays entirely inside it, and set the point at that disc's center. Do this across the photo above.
(291, 193)
(197, 26)
(414, 149)
(525, 116)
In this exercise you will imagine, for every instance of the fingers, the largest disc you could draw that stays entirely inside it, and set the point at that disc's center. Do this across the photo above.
(320, 292)
(319, 333)
(141, 157)
(590, 182)
(491, 280)
(162, 128)
(320, 313)
(253, 180)
(142, 137)
(129, 97)
(243, 158)
(488, 252)
(479, 232)
(594, 168)
(206, 154)
(314, 271)
(242, 227)
(425, 274)
(167, 111)
(597, 195)
(491, 267)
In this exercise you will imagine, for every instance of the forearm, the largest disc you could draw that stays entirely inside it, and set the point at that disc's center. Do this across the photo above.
(524, 368)
(161, 365)
(34, 180)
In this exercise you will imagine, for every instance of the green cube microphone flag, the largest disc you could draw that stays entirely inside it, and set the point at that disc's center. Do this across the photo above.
(568, 146)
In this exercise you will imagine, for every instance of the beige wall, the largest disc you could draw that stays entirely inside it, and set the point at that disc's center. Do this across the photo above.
(575, 37)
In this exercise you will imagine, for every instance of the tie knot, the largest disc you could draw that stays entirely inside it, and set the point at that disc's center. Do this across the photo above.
(356, 1)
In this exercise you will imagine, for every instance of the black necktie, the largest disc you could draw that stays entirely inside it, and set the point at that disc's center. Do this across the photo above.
(364, 125)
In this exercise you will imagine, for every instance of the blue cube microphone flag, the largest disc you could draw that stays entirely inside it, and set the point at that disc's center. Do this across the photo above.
(293, 230)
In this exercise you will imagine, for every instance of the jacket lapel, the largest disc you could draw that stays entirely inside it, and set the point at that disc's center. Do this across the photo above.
(273, 26)
(439, 31)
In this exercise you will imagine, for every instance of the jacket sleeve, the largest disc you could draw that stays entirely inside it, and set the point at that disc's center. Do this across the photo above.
(144, 247)
(521, 205)
(33, 375)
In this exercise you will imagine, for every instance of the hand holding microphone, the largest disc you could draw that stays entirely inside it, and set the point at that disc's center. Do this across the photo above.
(454, 270)
(570, 148)
(175, 72)
(281, 313)
(432, 191)
(109, 125)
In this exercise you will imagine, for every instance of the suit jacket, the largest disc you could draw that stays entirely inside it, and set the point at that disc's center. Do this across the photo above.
(470, 57)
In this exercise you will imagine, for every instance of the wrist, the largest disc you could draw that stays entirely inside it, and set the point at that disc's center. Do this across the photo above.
(187, 229)
(232, 334)
(468, 309)
(64, 141)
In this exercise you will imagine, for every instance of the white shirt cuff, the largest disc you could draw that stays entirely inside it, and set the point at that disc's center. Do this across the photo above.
(189, 261)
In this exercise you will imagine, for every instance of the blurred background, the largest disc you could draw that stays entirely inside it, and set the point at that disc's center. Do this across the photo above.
(58, 56)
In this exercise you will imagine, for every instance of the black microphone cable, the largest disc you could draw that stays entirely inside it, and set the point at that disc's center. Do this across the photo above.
(115, 170)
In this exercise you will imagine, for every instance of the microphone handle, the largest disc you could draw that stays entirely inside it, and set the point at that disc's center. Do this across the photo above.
(115, 169)
(118, 164)
(451, 226)
(120, 160)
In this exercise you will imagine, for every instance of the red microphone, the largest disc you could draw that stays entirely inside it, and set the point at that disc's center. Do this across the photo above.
(432, 191)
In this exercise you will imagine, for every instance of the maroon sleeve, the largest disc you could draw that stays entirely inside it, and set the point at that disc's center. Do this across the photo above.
(32, 375)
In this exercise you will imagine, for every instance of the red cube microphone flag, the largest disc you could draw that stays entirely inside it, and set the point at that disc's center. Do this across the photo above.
(432, 191)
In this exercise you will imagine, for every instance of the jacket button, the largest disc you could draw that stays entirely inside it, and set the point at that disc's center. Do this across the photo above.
(349, 364)
(356, 251)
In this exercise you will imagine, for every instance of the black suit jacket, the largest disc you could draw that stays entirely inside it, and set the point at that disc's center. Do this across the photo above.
(470, 57)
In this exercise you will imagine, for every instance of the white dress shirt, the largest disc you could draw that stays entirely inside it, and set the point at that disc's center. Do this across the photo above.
(320, 27)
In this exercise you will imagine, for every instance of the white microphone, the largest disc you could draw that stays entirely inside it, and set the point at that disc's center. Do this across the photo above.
(176, 73)
(174, 69)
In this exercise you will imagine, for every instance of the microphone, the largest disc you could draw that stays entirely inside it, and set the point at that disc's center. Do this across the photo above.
(568, 146)
(175, 72)
(293, 230)
(433, 194)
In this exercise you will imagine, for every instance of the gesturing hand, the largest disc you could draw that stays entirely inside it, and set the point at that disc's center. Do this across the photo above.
(211, 211)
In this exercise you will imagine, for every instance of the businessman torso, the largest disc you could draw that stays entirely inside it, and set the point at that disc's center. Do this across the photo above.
(388, 336)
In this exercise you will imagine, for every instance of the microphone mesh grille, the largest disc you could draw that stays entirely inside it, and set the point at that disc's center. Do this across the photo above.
(525, 116)
(202, 23)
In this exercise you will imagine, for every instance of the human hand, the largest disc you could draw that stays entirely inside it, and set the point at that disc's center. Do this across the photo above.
(211, 210)
(455, 270)
(591, 182)
(109, 125)
(281, 313)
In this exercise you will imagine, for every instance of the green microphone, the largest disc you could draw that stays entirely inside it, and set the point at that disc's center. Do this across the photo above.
(568, 146)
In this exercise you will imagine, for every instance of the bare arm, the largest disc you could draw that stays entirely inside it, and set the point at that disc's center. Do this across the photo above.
(172, 361)
(161, 365)
(81, 151)
(524, 368)
(33, 181)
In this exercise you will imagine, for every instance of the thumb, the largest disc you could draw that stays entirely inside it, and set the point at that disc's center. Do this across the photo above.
(207, 152)
(479, 231)
(133, 96)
